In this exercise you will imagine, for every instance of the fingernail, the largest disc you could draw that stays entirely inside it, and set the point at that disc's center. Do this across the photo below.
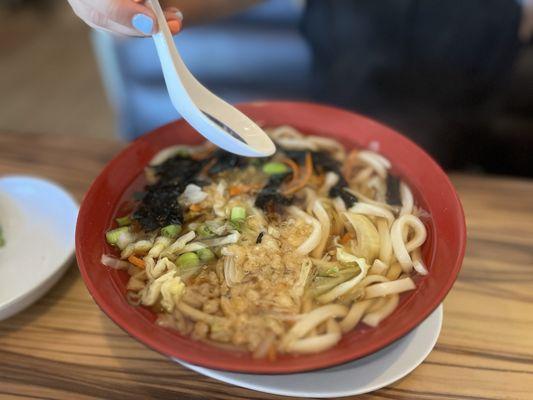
(143, 23)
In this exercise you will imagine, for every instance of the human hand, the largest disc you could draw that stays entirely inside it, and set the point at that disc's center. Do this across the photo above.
(124, 17)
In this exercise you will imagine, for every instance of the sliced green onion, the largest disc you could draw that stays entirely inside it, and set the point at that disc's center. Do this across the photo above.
(184, 153)
(205, 255)
(204, 232)
(188, 260)
(171, 231)
(331, 272)
(113, 235)
(124, 221)
(238, 214)
(275, 168)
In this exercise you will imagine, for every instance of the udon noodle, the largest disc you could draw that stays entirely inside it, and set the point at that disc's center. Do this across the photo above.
(283, 255)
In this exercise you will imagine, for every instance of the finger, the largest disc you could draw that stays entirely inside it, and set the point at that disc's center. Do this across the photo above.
(99, 21)
(174, 19)
(126, 13)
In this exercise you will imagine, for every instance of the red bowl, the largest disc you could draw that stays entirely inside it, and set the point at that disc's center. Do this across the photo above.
(443, 252)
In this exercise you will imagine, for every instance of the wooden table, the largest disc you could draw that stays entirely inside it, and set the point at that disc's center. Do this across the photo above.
(64, 347)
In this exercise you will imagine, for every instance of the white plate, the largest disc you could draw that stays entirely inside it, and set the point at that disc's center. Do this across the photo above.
(362, 376)
(38, 220)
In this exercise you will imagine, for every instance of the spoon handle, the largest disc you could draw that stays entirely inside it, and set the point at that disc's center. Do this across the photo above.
(209, 115)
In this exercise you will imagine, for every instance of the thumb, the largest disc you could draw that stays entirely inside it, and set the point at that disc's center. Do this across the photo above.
(130, 14)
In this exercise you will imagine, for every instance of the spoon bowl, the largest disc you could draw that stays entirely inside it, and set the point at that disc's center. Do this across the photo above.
(218, 121)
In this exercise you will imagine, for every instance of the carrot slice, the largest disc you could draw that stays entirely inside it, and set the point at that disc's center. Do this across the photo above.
(346, 238)
(294, 166)
(195, 207)
(207, 150)
(347, 169)
(235, 190)
(240, 189)
(308, 173)
(139, 263)
(207, 167)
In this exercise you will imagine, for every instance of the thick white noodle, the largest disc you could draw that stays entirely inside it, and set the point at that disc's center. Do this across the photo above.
(330, 180)
(363, 175)
(407, 199)
(310, 199)
(379, 163)
(333, 326)
(262, 350)
(370, 280)
(380, 189)
(372, 210)
(365, 199)
(387, 288)
(418, 264)
(314, 344)
(325, 224)
(339, 205)
(385, 248)
(377, 304)
(284, 132)
(374, 318)
(357, 310)
(314, 238)
(312, 320)
(330, 145)
(401, 250)
(378, 268)
(290, 138)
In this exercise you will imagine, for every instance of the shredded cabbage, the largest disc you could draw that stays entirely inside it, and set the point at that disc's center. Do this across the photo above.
(172, 291)
(193, 194)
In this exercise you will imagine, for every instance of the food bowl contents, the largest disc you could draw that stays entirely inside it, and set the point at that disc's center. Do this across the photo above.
(270, 256)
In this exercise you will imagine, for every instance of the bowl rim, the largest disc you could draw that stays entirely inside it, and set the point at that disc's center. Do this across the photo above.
(275, 367)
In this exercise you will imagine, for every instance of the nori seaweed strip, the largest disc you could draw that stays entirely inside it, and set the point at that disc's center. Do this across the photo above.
(338, 191)
(393, 190)
(269, 199)
(159, 206)
(225, 161)
(296, 155)
(323, 162)
(181, 169)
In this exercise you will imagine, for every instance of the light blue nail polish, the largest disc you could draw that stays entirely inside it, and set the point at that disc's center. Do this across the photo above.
(143, 23)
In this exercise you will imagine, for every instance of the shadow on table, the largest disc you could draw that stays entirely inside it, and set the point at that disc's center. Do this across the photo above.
(36, 310)
(147, 374)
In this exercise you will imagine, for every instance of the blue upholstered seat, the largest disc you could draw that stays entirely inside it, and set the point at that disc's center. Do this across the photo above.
(259, 54)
